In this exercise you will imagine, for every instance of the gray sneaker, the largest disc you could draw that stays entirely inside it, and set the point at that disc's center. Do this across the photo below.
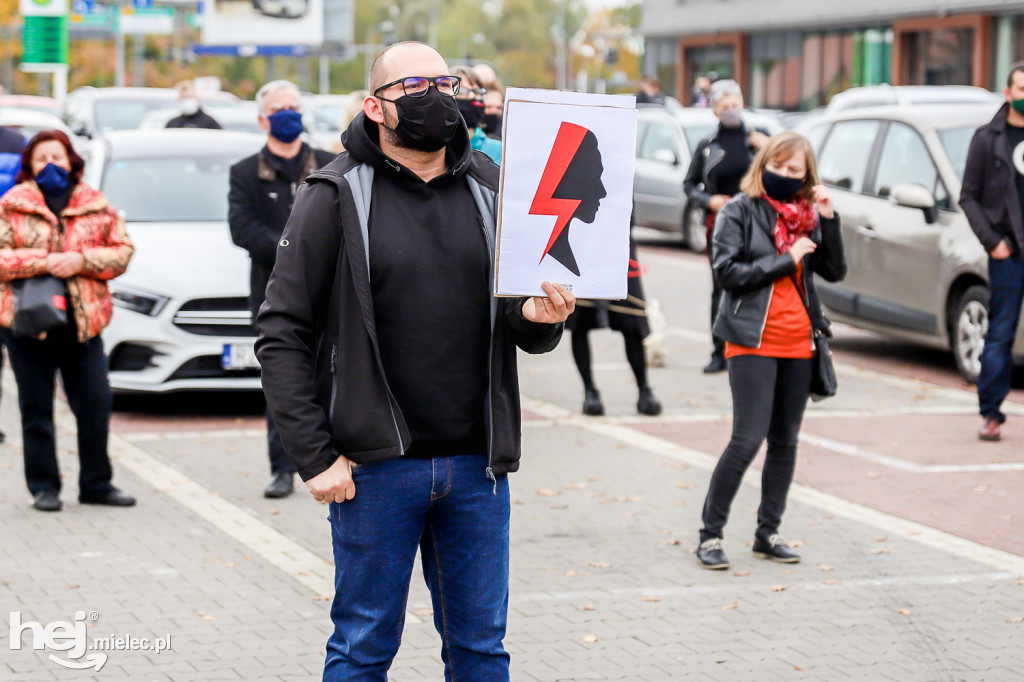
(775, 549)
(711, 554)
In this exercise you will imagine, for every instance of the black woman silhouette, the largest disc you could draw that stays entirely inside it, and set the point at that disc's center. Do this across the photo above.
(570, 187)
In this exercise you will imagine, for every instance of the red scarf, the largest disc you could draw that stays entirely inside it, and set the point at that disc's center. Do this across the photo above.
(796, 219)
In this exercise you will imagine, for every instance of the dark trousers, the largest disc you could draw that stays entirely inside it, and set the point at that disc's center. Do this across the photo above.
(279, 461)
(83, 372)
(1006, 281)
(716, 299)
(768, 400)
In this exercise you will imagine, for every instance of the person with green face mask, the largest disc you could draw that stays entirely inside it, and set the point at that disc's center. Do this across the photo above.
(992, 197)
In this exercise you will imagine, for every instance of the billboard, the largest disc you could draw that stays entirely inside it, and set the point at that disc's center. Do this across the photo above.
(263, 22)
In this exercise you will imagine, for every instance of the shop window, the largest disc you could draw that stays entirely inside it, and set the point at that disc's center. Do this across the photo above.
(716, 62)
(939, 57)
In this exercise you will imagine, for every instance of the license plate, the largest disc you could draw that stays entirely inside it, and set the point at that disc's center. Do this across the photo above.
(239, 356)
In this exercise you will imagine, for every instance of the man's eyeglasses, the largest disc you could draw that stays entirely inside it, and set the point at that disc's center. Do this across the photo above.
(417, 86)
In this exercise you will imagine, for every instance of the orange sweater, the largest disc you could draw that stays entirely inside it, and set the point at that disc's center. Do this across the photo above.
(787, 332)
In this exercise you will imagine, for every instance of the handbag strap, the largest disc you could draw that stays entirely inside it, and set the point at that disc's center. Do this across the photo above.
(815, 332)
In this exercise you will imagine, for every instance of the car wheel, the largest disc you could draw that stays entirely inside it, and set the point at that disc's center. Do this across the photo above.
(969, 328)
(694, 232)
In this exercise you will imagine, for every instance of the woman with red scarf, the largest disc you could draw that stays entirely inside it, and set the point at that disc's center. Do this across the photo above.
(768, 243)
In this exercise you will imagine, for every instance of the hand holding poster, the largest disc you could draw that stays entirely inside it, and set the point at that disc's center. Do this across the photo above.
(566, 193)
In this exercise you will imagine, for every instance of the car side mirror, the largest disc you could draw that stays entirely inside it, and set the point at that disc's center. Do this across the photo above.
(665, 156)
(913, 195)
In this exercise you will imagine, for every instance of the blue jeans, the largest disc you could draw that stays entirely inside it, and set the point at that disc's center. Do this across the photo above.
(448, 508)
(1006, 281)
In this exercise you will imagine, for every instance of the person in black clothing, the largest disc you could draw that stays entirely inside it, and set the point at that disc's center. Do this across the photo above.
(260, 199)
(192, 114)
(992, 197)
(12, 143)
(391, 371)
(719, 163)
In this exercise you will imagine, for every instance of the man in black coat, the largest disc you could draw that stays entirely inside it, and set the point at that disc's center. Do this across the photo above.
(192, 114)
(262, 192)
(391, 370)
(992, 196)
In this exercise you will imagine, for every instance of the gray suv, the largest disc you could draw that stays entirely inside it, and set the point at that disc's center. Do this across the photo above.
(916, 270)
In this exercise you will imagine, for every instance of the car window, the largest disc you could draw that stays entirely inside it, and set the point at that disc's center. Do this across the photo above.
(695, 132)
(659, 136)
(328, 116)
(641, 130)
(197, 188)
(122, 114)
(905, 159)
(844, 160)
(956, 142)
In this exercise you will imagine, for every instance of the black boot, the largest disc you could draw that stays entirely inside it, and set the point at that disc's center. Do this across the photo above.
(648, 404)
(716, 365)
(592, 403)
(280, 486)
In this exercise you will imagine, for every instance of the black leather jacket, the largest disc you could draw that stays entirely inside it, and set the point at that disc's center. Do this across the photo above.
(701, 182)
(747, 264)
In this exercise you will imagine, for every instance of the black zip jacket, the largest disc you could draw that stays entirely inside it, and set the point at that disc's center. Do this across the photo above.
(700, 182)
(259, 202)
(200, 119)
(746, 265)
(318, 346)
(988, 194)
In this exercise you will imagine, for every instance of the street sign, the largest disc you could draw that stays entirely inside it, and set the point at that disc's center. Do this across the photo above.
(98, 19)
(142, 4)
(43, 8)
(81, 6)
(45, 42)
(156, 21)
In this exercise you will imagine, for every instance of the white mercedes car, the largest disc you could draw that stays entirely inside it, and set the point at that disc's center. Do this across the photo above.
(181, 318)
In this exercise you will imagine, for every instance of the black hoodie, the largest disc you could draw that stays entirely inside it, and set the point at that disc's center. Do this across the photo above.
(333, 382)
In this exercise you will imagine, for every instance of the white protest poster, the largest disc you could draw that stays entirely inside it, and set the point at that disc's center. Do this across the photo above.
(566, 193)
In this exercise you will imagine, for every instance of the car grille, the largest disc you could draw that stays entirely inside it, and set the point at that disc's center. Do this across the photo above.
(131, 357)
(226, 316)
(209, 367)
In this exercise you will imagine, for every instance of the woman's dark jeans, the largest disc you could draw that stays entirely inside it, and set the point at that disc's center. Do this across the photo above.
(83, 371)
(768, 400)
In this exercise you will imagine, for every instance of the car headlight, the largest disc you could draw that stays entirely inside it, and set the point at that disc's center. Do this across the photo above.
(139, 301)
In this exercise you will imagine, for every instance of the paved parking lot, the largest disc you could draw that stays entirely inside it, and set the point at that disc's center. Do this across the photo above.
(913, 560)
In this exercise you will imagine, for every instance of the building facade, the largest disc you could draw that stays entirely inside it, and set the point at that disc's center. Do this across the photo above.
(796, 54)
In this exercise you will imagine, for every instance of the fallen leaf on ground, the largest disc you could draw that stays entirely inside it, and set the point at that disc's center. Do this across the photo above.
(575, 485)
(1019, 581)
(599, 564)
(685, 485)
(248, 557)
(518, 502)
(678, 503)
(980, 488)
(209, 560)
(833, 582)
(593, 495)
(879, 550)
(649, 597)
(796, 543)
(558, 506)
(590, 639)
(71, 587)
(741, 574)
(229, 564)
(570, 573)
(203, 615)
(680, 465)
(629, 514)
(826, 567)
(913, 532)
(814, 522)
(548, 492)
(274, 511)
(778, 588)
(788, 572)
(884, 538)
(423, 613)
(1015, 620)
(593, 479)
(590, 607)
(322, 597)
(905, 612)
(671, 542)
(731, 607)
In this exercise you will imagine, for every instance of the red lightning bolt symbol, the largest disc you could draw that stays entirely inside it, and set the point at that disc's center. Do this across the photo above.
(567, 141)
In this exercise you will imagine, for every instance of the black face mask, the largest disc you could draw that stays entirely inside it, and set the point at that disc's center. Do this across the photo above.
(428, 122)
(779, 187)
(492, 124)
(472, 113)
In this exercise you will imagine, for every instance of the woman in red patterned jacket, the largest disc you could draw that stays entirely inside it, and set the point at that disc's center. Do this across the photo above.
(51, 223)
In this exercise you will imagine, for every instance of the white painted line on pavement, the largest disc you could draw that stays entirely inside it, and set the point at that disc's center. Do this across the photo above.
(896, 463)
(152, 436)
(731, 587)
(925, 535)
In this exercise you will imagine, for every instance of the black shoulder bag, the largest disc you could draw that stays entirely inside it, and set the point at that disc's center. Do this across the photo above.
(40, 303)
(824, 383)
